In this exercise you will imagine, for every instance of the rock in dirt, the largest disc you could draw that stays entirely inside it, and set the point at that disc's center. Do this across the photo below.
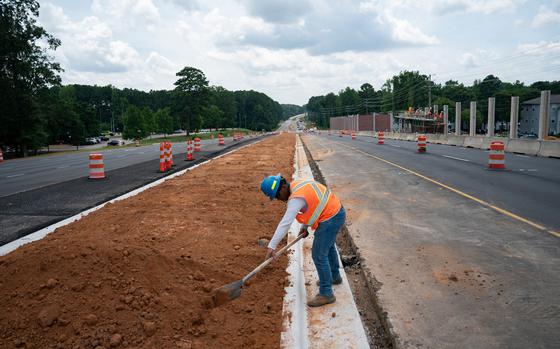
(236, 247)
(149, 327)
(51, 283)
(199, 276)
(116, 340)
(48, 315)
(91, 319)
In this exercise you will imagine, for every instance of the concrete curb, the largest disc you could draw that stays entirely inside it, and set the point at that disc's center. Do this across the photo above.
(39, 234)
(336, 325)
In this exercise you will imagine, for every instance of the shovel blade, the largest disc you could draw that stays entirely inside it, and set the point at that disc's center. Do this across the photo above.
(227, 293)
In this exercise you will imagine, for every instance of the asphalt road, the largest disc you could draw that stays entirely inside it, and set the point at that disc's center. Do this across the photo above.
(449, 272)
(529, 187)
(37, 202)
(25, 174)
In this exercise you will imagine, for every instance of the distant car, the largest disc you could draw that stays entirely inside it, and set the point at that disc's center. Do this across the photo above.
(115, 142)
(104, 138)
(89, 141)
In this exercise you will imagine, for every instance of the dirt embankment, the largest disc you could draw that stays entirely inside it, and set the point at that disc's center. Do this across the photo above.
(135, 273)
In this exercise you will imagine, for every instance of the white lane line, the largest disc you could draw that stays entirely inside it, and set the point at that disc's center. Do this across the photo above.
(65, 166)
(16, 175)
(122, 156)
(521, 156)
(452, 157)
(528, 170)
(396, 146)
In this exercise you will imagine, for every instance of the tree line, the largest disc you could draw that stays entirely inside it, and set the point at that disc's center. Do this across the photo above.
(36, 110)
(413, 89)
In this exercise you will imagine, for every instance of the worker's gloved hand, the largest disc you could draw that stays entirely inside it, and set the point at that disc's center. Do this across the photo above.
(270, 253)
(304, 232)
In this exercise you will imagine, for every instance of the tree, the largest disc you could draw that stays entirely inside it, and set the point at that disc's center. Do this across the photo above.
(134, 124)
(213, 117)
(164, 121)
(190, 96)
(25, 69)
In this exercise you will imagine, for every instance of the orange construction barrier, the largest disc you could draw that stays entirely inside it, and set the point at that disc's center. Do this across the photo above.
(211, 136)
(353, 135)
(162, 167)
(197, 144)
(167, 161)
(380, 138)
(96, 166)
(421, 143)
(497, 157)
(221, 139)
(171, 164)
(189, 151)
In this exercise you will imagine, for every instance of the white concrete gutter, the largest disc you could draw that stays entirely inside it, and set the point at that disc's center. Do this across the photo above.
(336, 325)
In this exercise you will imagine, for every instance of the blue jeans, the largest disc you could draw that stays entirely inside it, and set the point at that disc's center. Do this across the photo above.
(324, 253)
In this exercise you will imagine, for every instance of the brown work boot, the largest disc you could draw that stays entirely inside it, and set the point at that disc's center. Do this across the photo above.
(334, 281)
(320, 300)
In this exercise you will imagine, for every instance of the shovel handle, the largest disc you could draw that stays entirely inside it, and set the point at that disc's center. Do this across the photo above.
(269, 260)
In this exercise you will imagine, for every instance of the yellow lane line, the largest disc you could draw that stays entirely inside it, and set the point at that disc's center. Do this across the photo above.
(457, 191)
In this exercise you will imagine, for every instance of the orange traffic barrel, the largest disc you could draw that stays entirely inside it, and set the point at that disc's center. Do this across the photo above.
(421, 143)
(497, 156)
(353, 135)
(96, 166)
(167, 160)
(162, 167)
(380, 137)
(197, 144)
(1, 156)
(189, 156)
(171, 164)
(221, 139)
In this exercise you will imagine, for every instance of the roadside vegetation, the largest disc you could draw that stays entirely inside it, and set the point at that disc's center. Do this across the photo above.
(36, 110)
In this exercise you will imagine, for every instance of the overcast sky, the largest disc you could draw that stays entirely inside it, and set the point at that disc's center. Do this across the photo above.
(295, 49)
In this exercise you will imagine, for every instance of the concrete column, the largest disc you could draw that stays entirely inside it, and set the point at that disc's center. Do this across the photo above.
(472, 125)
(514, 117)
(435, 108)
(445, 118)
(543, 114)
(491, 116)
(458, 118)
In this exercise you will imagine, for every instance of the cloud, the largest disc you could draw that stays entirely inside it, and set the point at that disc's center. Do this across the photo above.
(468, 60)
(546, 16)
(331, 27)
(279, 11)
(131, 12)
(160, 64)
(475, 6)
(88, 44)
(539, 48)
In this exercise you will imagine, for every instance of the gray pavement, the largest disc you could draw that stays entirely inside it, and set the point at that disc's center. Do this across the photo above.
(450, 272)
(35, 172)
(26, 211)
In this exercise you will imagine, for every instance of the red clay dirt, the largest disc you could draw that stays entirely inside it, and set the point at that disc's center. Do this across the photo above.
(136, 273)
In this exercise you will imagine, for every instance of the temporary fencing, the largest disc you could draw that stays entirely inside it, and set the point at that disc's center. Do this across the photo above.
(497, 156)
(96, 166)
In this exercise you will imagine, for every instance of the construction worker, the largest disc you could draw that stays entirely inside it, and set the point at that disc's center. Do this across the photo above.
(313, 205)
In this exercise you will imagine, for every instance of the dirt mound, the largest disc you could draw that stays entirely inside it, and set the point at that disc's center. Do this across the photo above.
(135, 274)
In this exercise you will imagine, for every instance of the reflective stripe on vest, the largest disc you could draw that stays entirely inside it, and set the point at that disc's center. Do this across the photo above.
(322, 198)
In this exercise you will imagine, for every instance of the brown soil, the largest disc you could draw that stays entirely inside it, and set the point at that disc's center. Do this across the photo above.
(137, 273)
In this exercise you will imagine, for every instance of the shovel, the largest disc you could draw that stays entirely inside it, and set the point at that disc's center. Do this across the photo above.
(231, 291)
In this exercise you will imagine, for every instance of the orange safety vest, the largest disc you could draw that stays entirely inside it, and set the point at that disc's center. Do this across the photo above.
(321, 203)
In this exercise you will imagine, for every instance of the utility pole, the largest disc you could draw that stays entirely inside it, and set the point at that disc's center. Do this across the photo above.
(393, 97)
(429, 91)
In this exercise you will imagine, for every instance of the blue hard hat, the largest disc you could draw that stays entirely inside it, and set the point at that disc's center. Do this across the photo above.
(270, 186)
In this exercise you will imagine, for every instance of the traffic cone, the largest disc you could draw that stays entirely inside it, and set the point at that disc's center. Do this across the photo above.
(189, 156)
(161, 158)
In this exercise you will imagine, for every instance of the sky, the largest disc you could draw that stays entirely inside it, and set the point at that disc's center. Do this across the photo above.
(294, 49)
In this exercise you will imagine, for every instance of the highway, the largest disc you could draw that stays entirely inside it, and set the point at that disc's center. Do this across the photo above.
(529, 187)
(35, 172)
(458, 256)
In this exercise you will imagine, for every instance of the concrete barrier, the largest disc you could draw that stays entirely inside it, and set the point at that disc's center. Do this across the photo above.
(550, 149)
(523, 146)
(474, 142)
(455, 140)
